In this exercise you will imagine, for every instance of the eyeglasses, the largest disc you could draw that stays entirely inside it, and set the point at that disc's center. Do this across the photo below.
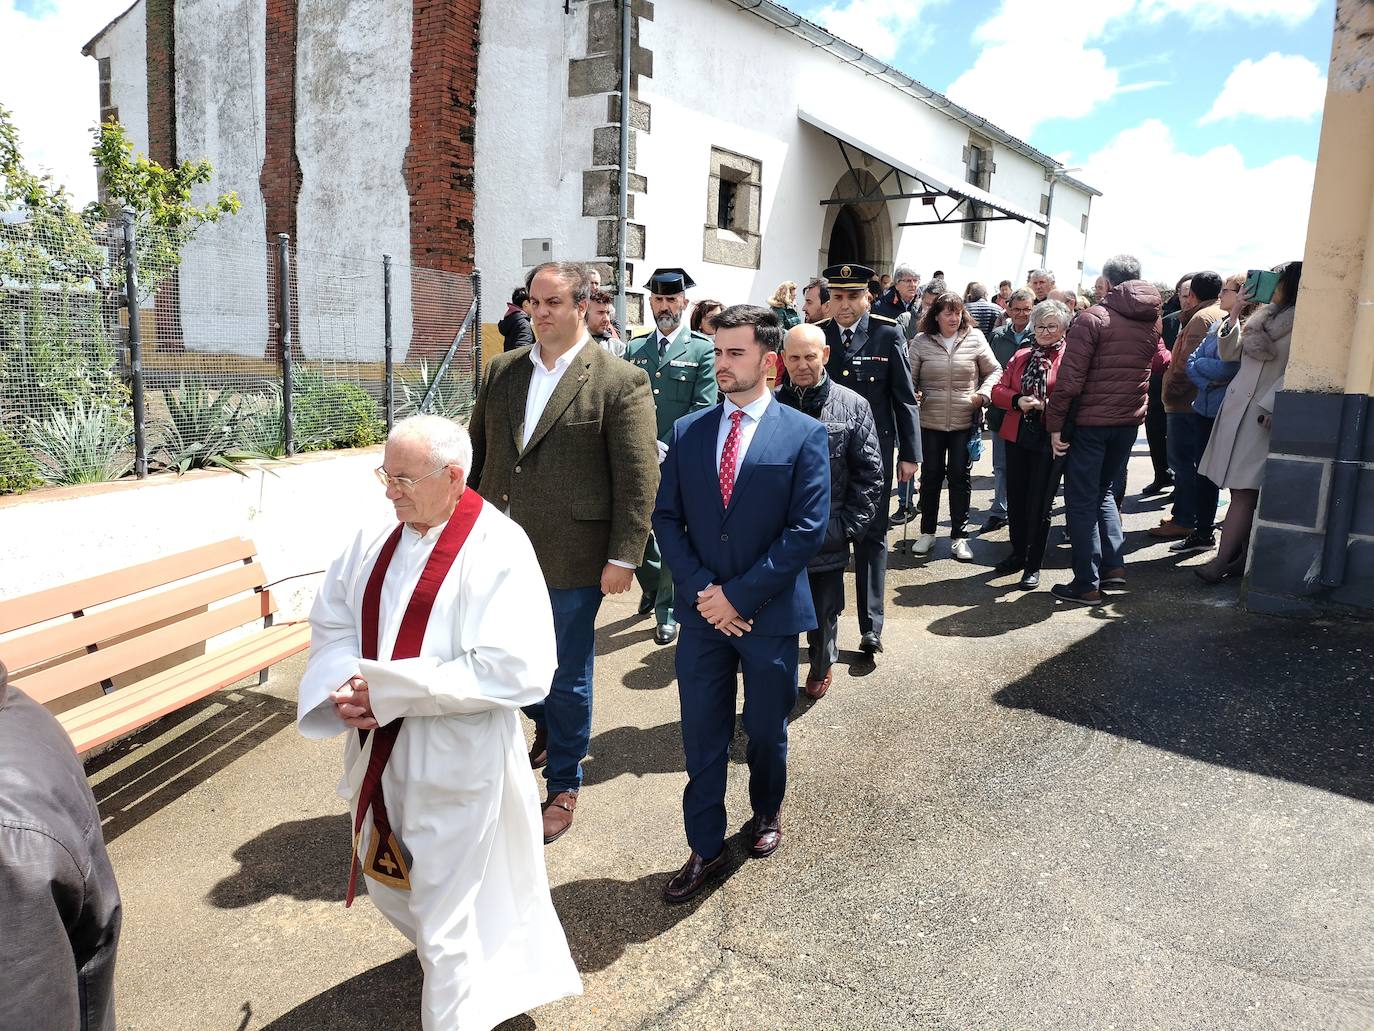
(1230, 289)
(404, 482)
(1048, 327)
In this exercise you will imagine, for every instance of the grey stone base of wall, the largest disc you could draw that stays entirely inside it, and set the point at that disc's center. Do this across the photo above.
(1285, 568)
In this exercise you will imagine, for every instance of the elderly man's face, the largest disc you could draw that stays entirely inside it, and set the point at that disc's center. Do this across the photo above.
(849, 306)
(907, 287)
(1019, 311)
(1041, 285)
(594, 274)
(435, 491)
(804, 353)
(667, 310)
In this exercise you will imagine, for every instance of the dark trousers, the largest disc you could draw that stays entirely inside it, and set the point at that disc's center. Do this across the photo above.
(707, 664)
(1157, 427)
(1096, 457)
(1183, 459)
(946, 457)
(870, 557)
(567, 711)
(1206, 494)
(823, 643)
(1032, 482)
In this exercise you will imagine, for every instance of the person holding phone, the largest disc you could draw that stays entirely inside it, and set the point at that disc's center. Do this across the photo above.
(1239, 444)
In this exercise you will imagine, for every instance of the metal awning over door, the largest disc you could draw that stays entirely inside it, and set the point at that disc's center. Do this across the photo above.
(924, 183)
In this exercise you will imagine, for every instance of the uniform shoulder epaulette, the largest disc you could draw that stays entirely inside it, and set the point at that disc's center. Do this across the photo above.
(874, 317)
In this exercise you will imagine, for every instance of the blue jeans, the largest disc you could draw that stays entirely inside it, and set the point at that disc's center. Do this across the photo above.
(1183, 460)
(999, 476)
(567, 712)
(1097, 454)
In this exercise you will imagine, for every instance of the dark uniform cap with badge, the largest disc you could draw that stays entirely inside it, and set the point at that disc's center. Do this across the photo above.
(667, 282)
(848, 277)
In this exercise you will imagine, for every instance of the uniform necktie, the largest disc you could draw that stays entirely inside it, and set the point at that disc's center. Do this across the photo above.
(662, 346)
(848, 338)
(729, 455)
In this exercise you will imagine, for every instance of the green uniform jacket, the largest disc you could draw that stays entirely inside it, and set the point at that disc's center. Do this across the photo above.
(683, 380)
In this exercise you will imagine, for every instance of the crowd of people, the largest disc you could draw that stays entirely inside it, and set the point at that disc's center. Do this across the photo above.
(735, 459)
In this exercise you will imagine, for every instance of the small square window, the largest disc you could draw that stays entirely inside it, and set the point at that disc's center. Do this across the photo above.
(1083, 226)
(733, 208)
(1040, 244)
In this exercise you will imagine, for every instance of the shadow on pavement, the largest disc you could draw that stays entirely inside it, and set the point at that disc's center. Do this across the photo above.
(601, 916)
(623, 633)
(1279, 698)
(655, 671)
(302, 859)
(385, 997)
(201, 747)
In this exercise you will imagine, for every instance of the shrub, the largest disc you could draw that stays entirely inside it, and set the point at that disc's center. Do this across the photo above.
(18, 471)
(206, 428)
(333, 414)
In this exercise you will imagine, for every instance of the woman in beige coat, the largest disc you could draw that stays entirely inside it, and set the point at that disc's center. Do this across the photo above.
(1239, 444)
(954, 370)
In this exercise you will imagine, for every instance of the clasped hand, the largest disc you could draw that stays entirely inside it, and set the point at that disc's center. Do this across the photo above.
(716, 609)
(353, 704)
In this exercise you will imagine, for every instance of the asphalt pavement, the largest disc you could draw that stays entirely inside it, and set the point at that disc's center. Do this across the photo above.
(1156, 814)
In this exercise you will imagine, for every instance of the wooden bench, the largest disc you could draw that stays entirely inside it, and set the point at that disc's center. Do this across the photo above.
(68, 651)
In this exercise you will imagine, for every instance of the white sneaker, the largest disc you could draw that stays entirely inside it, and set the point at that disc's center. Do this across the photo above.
(923, 544)
(961, 550)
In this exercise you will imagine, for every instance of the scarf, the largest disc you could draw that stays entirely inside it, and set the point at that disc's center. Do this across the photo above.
(1035, 376)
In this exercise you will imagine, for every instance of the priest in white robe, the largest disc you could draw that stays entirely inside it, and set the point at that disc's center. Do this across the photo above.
(428, 637)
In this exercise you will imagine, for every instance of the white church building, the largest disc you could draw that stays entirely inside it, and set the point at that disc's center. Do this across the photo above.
(761, 146)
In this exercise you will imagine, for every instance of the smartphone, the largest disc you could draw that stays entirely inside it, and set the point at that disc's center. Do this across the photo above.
(1260, 284)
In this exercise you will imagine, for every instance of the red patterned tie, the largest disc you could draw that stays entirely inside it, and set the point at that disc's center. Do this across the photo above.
(729, 458)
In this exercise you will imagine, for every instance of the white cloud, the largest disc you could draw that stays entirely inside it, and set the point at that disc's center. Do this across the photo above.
(1212, 12)
(1064, 71)
(1179, 211)
(880, 27)
(52, 90)
(1275, 86)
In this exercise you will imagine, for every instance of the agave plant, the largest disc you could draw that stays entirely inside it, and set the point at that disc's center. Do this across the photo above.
(453, 399)
(205, 428)
(88, 444)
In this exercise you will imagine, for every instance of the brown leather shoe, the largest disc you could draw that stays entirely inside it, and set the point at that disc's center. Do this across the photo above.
(693, 877)
(539, 751)
(817, 686)
(764, 834)
(1169, 530)
(558, 815)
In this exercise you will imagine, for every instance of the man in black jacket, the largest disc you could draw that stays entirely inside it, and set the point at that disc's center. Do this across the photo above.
(59, 905)
(868, 355)
(515, 327)
(856, 486)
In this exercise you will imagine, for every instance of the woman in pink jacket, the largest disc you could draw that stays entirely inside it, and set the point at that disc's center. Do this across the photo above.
(1032, 475)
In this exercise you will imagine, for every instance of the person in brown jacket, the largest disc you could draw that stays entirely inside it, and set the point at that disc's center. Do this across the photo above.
(1093, 417)
(954, 370)
(1201, 310)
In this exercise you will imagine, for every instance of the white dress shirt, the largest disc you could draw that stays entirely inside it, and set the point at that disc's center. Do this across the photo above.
(543, 383)
(753, 412)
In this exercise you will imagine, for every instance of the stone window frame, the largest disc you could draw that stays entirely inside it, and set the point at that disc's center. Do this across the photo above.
(739, 244)
(979, 165)
(1039, 246)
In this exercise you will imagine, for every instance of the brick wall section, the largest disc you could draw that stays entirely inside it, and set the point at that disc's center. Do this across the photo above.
(443, 115)
(280, 177)
(162, 107)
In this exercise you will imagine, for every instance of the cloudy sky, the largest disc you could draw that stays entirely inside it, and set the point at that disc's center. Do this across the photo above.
(1198, 119)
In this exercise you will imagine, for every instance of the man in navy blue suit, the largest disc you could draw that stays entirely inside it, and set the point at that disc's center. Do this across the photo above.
(742, 507)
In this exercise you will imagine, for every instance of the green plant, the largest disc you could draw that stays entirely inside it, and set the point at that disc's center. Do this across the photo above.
(205, 428)
(88, 444)
(453, 399)
(18, 471)
(333, 413)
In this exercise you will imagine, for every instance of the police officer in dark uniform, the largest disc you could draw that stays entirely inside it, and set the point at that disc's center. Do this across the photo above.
(868, 355)
(682, 370)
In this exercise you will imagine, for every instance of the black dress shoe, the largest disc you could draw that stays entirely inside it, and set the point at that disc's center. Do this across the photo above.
(1010, 564)
(870, 643)
(665, 633)
(1158, 486)
(993, 524)
(646, 603)
(693, 877)
(903, 515)
(1029, 581)
(764, 834)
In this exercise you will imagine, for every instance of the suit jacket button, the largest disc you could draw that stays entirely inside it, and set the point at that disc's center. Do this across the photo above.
(655, 390)
(505, 497)
(725, 536)
(658, 375)
(845, 373)
(517, 468)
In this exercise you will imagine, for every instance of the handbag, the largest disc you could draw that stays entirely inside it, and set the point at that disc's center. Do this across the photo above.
(975, 442)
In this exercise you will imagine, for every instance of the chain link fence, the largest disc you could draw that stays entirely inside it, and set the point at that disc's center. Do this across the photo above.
(232, 351)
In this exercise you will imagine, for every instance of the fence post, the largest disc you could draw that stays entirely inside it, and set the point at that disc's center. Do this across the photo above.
(135, 347)
(390, 395)
(477, 322)
(284, 336)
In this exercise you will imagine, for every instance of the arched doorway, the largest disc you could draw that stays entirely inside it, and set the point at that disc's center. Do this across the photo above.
(859, 233)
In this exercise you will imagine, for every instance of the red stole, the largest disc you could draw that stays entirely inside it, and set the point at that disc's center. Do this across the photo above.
(385, 862)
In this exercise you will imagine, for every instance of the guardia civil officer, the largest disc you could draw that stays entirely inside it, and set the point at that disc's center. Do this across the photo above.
(682, 372)
(868, 355)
